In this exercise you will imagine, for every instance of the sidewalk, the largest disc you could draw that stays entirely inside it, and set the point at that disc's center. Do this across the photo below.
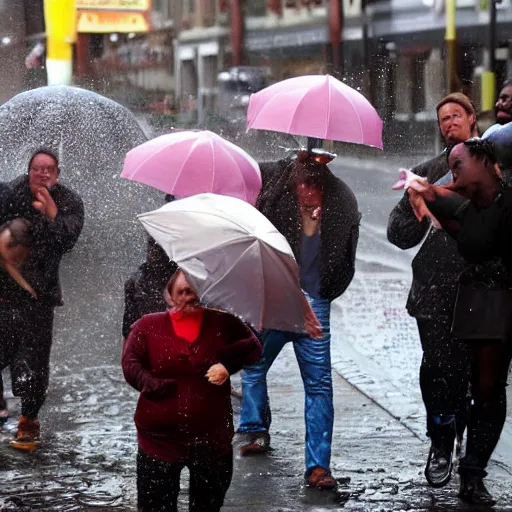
(378, 460)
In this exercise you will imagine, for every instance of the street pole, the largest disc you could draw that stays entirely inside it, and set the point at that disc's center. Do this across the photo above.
(489, 76)
(60, 23)
(367, 82)
(451, 46)
(335, 14)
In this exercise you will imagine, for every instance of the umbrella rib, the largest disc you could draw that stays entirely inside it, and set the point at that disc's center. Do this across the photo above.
(257, 242)
(357, 113)
(152, 155)
(212, 144)
(328, 120)
(190, 149)
(228, 153)
(297, 108)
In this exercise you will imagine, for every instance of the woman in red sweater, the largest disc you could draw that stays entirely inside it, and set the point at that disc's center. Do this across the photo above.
(180, 361)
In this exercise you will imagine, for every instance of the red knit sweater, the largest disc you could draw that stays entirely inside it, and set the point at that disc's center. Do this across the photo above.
(178, 408)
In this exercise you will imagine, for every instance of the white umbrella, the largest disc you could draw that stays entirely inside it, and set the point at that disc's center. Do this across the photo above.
(234, 257)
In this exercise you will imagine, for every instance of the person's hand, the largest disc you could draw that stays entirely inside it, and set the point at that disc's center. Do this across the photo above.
(217, 374)
(311, 323)
(44, 203)
(159, 388)
(419, 206)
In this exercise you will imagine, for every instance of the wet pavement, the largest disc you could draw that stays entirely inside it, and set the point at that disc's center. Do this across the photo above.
(87, 461)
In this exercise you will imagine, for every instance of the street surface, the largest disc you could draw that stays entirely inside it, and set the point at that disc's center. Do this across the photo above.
(87, 461)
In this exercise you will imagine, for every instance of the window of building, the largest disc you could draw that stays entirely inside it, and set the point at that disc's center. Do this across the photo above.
(189, 7)
(255, 8)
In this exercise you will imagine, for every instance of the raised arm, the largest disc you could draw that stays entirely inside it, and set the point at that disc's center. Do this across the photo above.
(404, 230)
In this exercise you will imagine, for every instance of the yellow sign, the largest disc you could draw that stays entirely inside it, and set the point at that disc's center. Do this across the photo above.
(108, 22)
(118, 5)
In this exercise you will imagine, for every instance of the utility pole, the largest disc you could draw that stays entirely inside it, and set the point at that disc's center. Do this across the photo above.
(60, 22)
(452, 81)
(367, 81)
(335, 46)
(489, 75)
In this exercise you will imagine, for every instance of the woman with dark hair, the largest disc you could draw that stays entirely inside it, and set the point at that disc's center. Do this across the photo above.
(476, 210)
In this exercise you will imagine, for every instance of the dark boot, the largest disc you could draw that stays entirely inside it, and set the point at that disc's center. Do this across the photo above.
(472, 490)
(438, 471)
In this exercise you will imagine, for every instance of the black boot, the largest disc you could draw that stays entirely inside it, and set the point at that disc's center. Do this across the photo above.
(438, 471)
(472, 490)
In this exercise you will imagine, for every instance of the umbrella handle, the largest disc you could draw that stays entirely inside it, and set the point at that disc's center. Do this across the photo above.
(314, 143)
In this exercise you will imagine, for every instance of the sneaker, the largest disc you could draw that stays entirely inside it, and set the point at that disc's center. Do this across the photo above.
(438, 471)
(259, 442)
(472, 490)
(320, 478)
(443, 434)
(28, 434)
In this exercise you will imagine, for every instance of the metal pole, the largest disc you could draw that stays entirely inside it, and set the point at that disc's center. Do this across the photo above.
(335, 15)
(367, 82)
(451, 46)
(489, 76)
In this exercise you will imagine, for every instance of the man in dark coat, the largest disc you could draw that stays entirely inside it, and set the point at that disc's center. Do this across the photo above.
(56, 215)
(436, 269)
(318, 215)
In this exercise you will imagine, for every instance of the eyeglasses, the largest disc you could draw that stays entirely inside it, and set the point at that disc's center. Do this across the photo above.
(42, 170)
(318, 155)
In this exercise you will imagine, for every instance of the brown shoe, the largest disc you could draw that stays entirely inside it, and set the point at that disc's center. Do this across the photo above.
(28, 434)
(320, 478)
(259, 442)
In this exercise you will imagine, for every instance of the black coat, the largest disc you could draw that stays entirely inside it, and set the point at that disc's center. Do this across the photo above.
(485, 234)
(143, 291)
(438, 266)
(52, 239)
(339, 223)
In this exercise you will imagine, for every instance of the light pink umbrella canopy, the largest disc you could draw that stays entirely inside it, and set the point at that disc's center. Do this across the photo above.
(316, 106)
(194, 162)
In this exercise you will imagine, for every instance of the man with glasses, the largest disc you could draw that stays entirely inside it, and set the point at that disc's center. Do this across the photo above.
(56, 215)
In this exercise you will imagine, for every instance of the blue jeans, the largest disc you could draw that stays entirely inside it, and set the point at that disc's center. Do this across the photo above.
(314, 358)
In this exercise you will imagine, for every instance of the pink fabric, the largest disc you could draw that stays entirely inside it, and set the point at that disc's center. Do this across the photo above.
(316, 106)
(194, 162)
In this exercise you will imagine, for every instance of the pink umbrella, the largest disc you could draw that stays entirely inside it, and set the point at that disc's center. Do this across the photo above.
(317, 106)
(194, 162)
